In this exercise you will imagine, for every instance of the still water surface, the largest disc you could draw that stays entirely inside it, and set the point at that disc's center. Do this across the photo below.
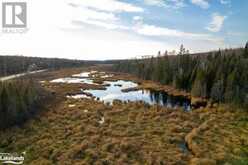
(114, 91)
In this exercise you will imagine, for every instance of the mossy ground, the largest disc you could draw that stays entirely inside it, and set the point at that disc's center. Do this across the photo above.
(70, 131)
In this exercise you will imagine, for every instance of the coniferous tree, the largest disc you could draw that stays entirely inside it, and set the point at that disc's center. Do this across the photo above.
(199, 88)
(221, 76)
(17, 102)
(217, 91)
(246, 51)
(182, 50)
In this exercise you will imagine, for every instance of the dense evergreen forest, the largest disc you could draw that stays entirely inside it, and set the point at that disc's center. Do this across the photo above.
(19, 100)
(221, 76)
(17, 64)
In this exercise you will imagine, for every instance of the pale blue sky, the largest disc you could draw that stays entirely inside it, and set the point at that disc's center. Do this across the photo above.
(114, 29)
(222, 19)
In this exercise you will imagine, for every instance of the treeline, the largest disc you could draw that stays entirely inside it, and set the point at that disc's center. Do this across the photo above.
(221, 76)
(19, 100)
(18, 64)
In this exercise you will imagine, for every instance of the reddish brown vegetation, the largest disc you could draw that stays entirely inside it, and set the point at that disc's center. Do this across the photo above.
(132, 133)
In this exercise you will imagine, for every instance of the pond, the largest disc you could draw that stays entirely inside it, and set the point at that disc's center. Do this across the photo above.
(73, 80)
(114, 91)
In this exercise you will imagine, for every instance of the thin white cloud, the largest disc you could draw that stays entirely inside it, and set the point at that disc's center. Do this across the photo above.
(95, 13)
(216, 23)
(178, 3)
(237, 34)
(107, 5)
(151, 30)
(111, 26)
(79, 31)
(225, 2)
(155, 2)
(175, 4)
(92, 14)
(108, 21)
(138, 18)
(202, 3)
(81, 16)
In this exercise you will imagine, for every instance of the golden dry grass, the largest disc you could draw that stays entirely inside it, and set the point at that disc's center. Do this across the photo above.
(132, 133)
